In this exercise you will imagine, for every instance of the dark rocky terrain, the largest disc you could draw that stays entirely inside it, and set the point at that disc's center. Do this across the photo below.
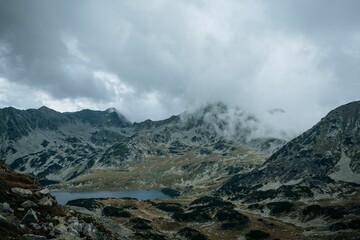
(28, 211)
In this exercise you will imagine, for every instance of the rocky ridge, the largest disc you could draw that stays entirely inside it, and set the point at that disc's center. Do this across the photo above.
(326, 155)
(66, 146)
(307, 190)
(312, 181)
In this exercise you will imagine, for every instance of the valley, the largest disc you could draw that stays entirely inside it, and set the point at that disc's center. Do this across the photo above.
(230, 182)
(102, 150)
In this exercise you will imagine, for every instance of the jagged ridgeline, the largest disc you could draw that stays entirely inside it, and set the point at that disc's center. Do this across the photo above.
(233, 184)
(324, 160)
(313, 181)
(189, 149)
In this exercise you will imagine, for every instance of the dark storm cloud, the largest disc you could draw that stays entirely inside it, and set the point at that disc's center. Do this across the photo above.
(36, 53)
(151, 59)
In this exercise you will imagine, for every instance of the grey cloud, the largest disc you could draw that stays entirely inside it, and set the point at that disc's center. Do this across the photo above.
(37, 55)
(300, 56)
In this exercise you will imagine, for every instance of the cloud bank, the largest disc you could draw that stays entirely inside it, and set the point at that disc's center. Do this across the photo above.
(152, 59)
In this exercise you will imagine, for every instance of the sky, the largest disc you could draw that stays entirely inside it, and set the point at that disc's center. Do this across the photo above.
(287, 62)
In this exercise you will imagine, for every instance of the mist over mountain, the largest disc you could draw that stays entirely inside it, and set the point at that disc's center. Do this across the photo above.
(222, 158)
(165, 58)
(323, 159)
(63, 146)
(233, 119)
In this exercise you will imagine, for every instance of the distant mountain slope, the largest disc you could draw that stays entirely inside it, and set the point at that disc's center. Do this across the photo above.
(62, 146)
(324, 159)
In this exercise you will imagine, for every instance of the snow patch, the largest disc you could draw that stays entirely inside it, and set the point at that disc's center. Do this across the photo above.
(276, 185)
(345, 173)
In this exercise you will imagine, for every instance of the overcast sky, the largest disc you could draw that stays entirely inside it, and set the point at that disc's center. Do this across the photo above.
(152, 59)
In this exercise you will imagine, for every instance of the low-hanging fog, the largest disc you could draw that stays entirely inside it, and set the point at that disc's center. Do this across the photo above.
(286, 62)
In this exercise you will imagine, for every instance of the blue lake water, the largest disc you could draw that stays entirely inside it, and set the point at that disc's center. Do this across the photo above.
(64, 197)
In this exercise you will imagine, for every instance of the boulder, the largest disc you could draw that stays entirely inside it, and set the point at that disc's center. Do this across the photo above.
(5, 208)
(90, 231)
(58, 230)
(44, 191)
(14, 221)
(73, 219)
(29, 204)
(10, 220)
(73, 232)
(46, 201)
(35, 226)
(22, 192)
(30, 217)
(75, 224)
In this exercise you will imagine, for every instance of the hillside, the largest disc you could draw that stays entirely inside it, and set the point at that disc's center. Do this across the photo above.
(28, 211)
(328, 153)
(312, 181)
(308, 189)
(192, 150)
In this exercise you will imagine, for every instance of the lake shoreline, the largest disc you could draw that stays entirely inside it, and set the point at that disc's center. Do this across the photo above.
(62, 197)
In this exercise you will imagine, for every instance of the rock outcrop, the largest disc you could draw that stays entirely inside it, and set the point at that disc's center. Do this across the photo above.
(29, 212)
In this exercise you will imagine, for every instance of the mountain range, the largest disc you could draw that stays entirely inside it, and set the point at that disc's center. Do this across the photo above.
(233, 183)
(76, 148)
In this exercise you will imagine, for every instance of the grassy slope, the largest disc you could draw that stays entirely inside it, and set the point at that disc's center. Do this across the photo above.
(204, 173)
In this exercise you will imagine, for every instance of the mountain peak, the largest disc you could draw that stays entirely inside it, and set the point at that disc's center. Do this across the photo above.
(349, 110)
(111, 110)
(328, 151)
(45, 109)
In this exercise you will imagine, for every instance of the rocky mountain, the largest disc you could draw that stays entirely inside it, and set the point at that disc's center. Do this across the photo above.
(213, 142)
(313, 181)
(307, 189)
(328, 153)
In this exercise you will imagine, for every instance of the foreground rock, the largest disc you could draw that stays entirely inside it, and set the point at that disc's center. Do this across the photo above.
(41, 217)
(30, 217)
(5, 208)
(22, 192)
